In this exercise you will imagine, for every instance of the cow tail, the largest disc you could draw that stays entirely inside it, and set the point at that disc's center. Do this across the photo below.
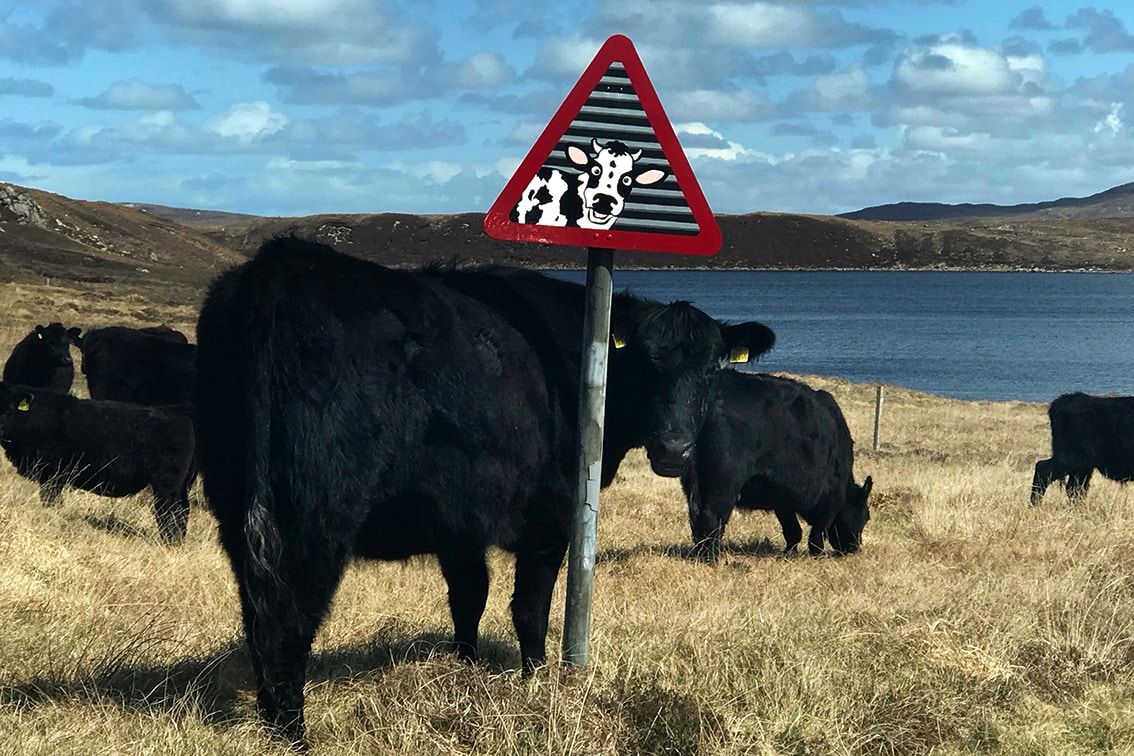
(266, 587)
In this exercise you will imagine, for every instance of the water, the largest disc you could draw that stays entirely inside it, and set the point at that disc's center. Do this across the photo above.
(969, 335)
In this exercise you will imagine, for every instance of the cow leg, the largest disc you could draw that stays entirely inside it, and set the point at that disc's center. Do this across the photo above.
(285, 591)
(279, 654)
(793, 533)
(536, 571)
(707, 526)
(815, 540)
(1044, 475)
(467, 578)
(1078, 483)
(708, 536)
(171, 509)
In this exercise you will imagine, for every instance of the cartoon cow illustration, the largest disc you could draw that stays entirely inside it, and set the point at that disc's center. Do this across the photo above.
(591, 199)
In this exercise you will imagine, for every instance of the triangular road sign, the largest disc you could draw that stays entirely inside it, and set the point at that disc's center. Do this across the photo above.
(608, 171)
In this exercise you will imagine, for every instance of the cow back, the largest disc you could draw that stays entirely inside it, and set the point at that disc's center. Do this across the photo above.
(411, 413)
(1094, 432)
(154, 366)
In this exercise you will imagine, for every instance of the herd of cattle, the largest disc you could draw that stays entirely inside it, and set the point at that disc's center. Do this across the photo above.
(335, 409)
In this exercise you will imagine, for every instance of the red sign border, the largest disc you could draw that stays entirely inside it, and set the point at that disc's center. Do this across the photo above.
(708, 239)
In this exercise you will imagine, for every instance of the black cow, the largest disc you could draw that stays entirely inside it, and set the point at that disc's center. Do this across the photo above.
(43, 358)
(348, 410)
(153, 366)
(1088, 433)
(775, 444)
(109, 448)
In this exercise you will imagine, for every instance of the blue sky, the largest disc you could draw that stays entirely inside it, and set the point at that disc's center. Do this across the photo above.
(296, 107)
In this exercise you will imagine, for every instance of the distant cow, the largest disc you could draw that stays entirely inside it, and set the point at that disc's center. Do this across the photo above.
(109, 448)
(775, 444)
(43, 358)
(1088, 433)
(591, 199)
(153, 366)
(349, 410)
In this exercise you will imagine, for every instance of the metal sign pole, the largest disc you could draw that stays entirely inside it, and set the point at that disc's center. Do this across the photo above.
(592, 410)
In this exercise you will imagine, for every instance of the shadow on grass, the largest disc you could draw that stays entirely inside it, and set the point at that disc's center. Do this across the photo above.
(756, 547)
(115, 525)
(222, 685)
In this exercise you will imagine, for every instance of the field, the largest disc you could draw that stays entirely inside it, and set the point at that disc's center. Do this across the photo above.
(970, 623)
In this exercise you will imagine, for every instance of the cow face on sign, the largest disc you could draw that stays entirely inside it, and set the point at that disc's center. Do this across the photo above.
(608, 177)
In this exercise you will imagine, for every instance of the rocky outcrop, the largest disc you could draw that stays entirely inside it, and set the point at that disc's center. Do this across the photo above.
(17, 207)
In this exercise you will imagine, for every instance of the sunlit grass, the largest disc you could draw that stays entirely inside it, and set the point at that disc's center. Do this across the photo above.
(970, 622)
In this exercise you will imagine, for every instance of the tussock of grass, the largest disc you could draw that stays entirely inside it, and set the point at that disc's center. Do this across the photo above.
(970, 623)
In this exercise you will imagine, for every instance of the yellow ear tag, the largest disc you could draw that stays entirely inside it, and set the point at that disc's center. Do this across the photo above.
(24, 405)
(39, 336)
(738, 354)
(618, 343)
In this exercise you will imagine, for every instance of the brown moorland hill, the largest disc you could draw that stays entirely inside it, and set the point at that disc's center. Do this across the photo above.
(169, 255)
(775, 241)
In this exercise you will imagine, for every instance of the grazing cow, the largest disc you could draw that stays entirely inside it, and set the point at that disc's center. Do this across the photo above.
(1088, 433)
(774, 444)
(109, 448)
(43, 358)
(591, 199)
(153, 366)
(348, 410)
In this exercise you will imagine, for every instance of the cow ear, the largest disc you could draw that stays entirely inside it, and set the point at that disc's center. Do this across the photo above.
(577, 155)
(73, 333)
(747, 340)
(652, 176)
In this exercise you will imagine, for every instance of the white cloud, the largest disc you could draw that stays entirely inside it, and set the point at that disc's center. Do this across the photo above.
(848, 87)
(291, 31)
(265, 12)
(481, 70)
(434, 171)
(1113, 122)
(947, 141)
(712, 143)
(566, 57)
(954, 68)
(247, 122)
(1031, 69)
(138, 95)
(716, 105)
(278, 164)
(761, 25)
(157, 127)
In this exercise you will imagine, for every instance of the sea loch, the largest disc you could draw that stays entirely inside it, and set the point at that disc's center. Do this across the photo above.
(995, 336)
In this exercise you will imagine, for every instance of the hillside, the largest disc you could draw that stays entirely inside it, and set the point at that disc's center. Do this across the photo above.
(1116, 202)
(169, 254)
(49, 239)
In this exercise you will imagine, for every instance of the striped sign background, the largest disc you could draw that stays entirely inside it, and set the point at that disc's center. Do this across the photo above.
(613, 111)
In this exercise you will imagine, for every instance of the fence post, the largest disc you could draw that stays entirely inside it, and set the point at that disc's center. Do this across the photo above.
(877, 414)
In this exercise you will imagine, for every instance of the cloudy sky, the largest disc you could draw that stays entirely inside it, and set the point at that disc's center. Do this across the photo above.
(294, 107)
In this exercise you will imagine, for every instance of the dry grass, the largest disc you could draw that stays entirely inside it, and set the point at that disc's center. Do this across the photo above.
(971, 623)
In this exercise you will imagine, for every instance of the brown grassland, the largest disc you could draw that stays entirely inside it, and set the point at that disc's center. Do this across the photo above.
(970, 623)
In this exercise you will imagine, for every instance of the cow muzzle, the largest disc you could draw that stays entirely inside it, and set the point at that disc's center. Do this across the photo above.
(669, 455)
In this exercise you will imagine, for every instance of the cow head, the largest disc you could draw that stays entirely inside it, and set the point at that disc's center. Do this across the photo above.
(52, 344)
(845, 533)
(14, 401)
(609, 174)
(658, 382)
